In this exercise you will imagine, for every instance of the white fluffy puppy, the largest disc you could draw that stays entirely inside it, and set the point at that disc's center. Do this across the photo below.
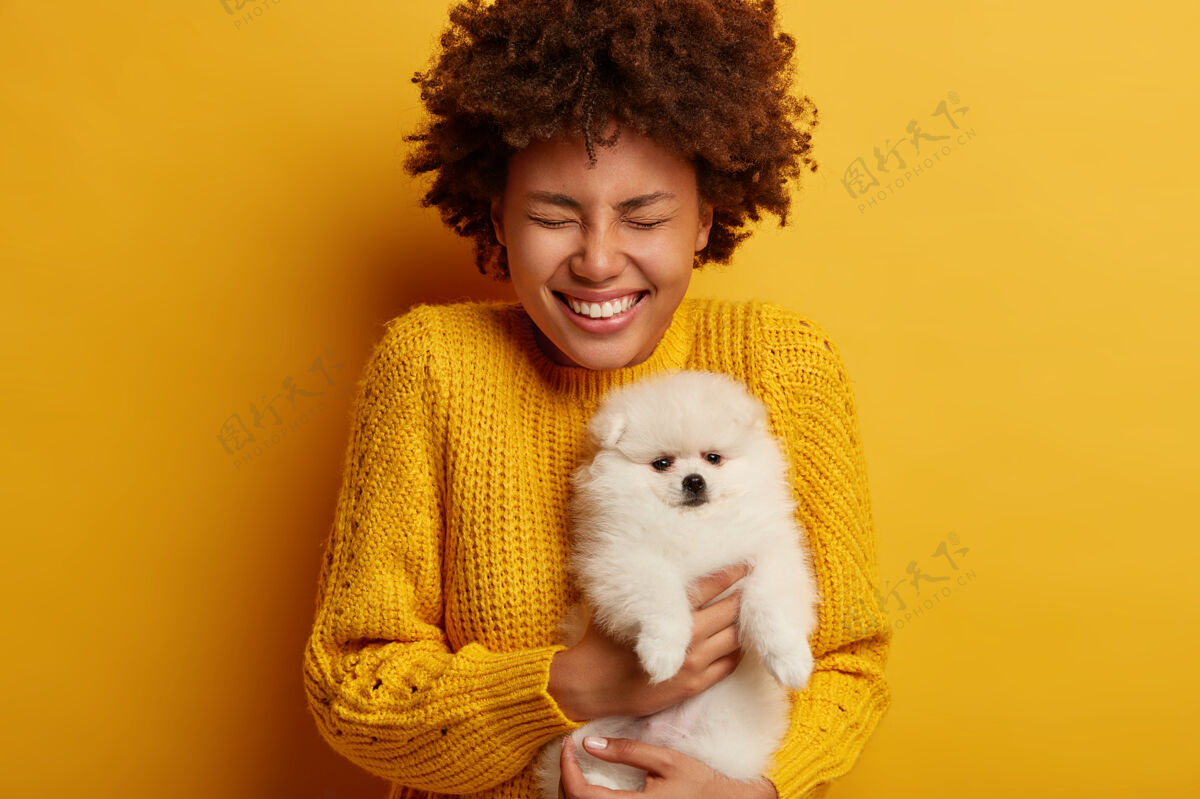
(687, 480)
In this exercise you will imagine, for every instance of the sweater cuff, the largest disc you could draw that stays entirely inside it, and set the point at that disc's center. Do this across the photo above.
(505, 711)
(512, 686)
(832, 718)
(463, 729)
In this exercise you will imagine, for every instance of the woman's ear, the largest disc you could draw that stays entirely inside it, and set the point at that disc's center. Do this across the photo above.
(706, 220)
(498, 219)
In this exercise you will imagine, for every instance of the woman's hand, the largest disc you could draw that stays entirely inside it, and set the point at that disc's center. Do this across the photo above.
(602, 677)
(669, 774)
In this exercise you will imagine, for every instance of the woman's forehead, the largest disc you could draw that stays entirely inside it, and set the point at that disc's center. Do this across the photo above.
(633, 168)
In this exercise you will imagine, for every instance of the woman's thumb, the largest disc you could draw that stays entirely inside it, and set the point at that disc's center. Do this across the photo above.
(653, 759)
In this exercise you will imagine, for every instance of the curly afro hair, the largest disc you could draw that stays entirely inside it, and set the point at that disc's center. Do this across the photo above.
(708, 79)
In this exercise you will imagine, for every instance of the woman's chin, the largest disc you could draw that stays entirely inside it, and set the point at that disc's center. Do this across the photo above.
(603, 358)
(572, 347)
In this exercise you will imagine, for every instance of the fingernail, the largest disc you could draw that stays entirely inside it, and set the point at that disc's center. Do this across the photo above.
(591, 742)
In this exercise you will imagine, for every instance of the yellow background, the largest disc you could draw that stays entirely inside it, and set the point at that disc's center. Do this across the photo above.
(194, 211)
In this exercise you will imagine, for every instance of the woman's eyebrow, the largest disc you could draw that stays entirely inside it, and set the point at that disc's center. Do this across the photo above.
(634, 203)
(625, 206)
(552, 198)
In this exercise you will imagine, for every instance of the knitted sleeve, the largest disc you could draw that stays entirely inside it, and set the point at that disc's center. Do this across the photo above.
(382, 682)
(805, 385)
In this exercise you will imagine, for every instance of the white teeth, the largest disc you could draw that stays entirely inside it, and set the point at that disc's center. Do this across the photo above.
(596, 310)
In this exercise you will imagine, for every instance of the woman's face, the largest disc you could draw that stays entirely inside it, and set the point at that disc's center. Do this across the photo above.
(600, 257)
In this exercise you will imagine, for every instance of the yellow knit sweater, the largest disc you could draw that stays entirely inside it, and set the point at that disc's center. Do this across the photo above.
(444, 577)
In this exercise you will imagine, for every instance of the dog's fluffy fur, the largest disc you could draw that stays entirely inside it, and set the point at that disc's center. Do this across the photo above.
(687, 480)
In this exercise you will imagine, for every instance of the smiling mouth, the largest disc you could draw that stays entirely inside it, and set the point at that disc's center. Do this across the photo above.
(601, 310)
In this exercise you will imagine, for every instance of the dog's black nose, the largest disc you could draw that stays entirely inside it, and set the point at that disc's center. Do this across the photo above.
(693, 484)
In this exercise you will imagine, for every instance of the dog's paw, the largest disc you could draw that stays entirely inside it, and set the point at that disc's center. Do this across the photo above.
(661, 655)
(791, 669)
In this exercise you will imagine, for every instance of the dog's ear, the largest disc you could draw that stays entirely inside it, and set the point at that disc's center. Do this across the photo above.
(752, 415)
(607, 428)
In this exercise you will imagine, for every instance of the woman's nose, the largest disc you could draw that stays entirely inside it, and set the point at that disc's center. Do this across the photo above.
(598, 258)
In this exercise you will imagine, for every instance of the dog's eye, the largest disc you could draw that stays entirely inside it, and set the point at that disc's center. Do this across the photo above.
(662, 464)
(713, 458)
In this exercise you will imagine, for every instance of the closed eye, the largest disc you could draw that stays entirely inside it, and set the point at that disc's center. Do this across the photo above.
(553, 224)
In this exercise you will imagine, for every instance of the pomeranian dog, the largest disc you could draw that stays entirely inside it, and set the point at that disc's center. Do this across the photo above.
(686, 480)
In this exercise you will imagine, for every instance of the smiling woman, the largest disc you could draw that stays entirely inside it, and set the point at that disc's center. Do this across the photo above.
(600, 255)
(596, 152)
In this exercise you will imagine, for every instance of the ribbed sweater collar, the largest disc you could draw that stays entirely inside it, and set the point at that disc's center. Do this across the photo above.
(671, 353)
